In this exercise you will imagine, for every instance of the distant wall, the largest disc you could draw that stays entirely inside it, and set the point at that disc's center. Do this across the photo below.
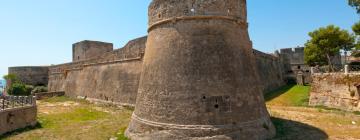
(90, 49)
(336, 90)
(13, 119)
(31, 75)
(112, 76)
(270, 71)
(293, 60)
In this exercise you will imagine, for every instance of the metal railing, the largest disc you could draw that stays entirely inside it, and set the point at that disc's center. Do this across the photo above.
(336, 69)
(10, 102)
(354, 68)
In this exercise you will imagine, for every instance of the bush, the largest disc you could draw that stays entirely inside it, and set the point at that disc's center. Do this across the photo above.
(29, 88)
(17, 89)
(39, 89)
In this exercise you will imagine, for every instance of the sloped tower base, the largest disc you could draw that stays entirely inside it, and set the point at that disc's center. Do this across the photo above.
(199, 79)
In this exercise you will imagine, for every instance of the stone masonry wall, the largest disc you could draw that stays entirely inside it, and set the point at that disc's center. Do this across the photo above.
(85, 50)
(31, 75)
(17, 118)
(114, 76)
(336, 90)
(270, 71)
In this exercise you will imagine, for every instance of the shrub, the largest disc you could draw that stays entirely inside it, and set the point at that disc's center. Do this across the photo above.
(16, 89)
(29, 88)
(39, 89)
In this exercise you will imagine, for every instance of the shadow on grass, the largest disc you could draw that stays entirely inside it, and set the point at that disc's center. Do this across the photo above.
(21, 130)
(291, 130)
(276, 93)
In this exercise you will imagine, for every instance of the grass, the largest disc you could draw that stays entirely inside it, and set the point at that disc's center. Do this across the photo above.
(70, 119)
(290, 95)
(121, 134)
(74, 119)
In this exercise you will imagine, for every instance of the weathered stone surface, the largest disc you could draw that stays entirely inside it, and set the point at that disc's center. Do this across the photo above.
(270, 70)
(111, 77)
(17, 118)
(86, 49)
(31, 75)
(46, 95)
(336, 90)
(199, 79)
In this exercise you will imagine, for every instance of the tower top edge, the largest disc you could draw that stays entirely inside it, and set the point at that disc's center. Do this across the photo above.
(160, 10)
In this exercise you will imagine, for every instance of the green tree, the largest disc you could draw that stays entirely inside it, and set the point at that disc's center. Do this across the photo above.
(325, 43)
(12, 78)
(356, 28)
(313, 55)
(355, 4)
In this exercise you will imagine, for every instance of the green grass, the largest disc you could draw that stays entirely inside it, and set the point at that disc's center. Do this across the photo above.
(65, 118)
(121, 134)
(77, 115)
(289, 95)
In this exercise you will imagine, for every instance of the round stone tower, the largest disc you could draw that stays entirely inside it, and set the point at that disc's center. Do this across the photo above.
(199, 79)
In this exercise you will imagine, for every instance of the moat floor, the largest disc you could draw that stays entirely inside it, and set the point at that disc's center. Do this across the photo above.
(62, 118)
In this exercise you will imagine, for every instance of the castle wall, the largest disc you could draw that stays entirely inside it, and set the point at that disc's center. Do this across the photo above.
(31, 75)
(270, 71)
(336, 90)
(90, 49)
(113, 76)
(17, 118)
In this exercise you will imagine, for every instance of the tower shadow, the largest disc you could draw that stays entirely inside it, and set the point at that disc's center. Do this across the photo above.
(291, 130)
(278, 92)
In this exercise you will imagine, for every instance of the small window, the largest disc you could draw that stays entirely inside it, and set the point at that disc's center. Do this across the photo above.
(299, 67)
(78, 57)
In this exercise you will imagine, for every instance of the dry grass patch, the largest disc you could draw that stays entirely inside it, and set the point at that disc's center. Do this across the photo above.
(63, 118)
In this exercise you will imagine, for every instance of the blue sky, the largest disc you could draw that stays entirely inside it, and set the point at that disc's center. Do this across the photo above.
(40, 32)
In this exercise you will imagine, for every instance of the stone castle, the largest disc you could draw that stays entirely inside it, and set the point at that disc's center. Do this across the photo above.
(194, 48)
(124, 67)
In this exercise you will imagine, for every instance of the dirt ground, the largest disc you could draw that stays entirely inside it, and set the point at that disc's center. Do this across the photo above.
(315, 123)
(66, 119)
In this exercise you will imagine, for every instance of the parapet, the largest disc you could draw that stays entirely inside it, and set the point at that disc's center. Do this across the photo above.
(161, 11)
(299, 50)
(89, 49)
(286, 50)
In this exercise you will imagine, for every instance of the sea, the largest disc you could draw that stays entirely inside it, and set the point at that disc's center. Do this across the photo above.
(2, 86)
